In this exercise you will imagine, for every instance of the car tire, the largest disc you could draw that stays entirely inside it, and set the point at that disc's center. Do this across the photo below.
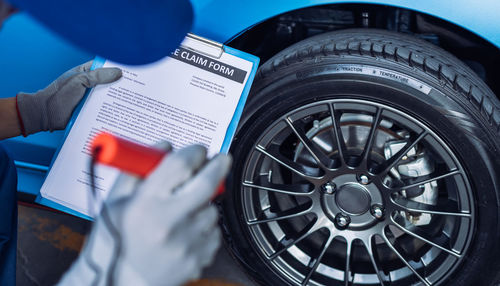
(322, 194)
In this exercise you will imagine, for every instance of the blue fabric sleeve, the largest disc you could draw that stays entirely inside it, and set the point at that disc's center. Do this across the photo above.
(8, 219)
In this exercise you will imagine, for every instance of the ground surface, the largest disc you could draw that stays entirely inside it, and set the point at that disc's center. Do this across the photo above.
(49, 242)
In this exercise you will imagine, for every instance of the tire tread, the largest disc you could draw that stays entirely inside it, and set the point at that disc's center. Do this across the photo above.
(381, 44)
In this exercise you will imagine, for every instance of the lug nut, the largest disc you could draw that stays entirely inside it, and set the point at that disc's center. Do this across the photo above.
(329, 188)
(342, 221)
(378, 211)
(363, 179)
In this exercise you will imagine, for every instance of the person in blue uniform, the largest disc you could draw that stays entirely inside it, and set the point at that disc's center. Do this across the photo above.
(147, 234)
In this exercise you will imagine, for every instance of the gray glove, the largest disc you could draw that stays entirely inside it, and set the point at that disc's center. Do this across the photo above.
(51, 108)
(159, 231)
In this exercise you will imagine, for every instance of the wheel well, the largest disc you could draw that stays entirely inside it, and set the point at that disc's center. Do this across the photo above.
(275, 34)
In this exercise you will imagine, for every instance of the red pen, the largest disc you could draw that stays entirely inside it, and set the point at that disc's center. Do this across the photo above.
(129, 156)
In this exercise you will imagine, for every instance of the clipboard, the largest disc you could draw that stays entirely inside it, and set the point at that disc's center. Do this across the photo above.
(209, 49)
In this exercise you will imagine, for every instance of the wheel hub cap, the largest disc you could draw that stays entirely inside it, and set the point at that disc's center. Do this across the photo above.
(353, 199)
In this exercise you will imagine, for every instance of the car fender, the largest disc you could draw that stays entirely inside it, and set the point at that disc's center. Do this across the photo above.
(222, 20)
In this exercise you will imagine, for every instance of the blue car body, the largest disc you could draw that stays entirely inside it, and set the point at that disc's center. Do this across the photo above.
(32, 56)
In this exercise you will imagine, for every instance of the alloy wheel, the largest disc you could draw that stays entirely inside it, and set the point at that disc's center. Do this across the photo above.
(345, 191)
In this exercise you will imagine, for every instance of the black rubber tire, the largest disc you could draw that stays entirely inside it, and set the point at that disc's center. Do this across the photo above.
(460, 108)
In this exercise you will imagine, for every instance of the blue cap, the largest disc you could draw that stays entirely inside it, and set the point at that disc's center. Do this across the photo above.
(127, 31)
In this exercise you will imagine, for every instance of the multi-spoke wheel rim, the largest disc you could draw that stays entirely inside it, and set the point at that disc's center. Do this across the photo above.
(322, 210)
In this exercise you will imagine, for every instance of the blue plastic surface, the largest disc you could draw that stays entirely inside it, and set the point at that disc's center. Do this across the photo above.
(231, 130)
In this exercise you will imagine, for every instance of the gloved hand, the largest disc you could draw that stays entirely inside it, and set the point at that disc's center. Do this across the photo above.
(51, 108)
(159, 231)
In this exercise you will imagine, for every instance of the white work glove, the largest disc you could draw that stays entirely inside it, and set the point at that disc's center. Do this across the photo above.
(51, 108)
(159, 231)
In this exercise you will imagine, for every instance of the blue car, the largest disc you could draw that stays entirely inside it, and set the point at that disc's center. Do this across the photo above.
(368, 151)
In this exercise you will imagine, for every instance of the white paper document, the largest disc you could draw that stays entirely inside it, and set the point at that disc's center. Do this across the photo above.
(187, 98)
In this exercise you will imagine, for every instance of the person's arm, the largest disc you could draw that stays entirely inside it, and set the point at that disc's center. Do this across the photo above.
(157, 231)
(9, 121)
(50, 108)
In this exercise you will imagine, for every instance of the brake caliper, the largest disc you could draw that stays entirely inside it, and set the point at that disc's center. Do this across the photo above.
(415, 164)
